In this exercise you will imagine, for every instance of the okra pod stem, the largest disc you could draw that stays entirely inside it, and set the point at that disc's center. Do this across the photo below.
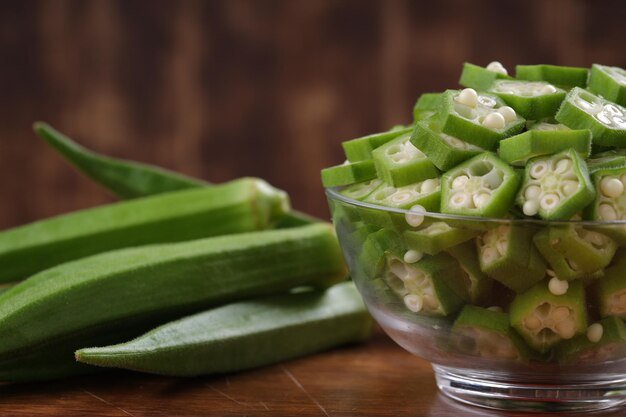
(243, 335)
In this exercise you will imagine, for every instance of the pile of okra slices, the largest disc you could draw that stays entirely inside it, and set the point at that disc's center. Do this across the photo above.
(549, 145)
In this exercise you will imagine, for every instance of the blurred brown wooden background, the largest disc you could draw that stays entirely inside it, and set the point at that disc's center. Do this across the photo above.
(221, 89)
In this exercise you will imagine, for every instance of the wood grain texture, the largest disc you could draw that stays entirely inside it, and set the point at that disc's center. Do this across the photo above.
(221, 89)
(375, 379)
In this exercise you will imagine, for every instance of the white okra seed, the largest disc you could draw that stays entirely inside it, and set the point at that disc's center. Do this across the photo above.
(411, 256)
(461, 199)
(611, 187)
(413, 302)
(569, 187)
(547, 89)
(494, 121)
(566, 329)
(480, 200)
(489, 255)
(558, 287)
(563, 165)
(460, 181)
(607, 212)
(538, 169)
(468, 96)
(415, 216)
(560, 313)
(550, 273)
(531, 207)
(532, 192)
(532, 323)
(508, 113)
(595, 332)
(497, 309)
(496, 66)
(549, 201)
(429, 186)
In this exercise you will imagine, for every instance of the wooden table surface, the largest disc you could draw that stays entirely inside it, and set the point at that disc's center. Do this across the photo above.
(375, 379)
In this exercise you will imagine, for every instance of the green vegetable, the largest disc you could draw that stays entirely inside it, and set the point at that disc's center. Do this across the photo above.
(544, 319)
(379, 244)
(57, 307)
(610, 346)
(480, 78)
(361, 190)
(243, 335)
(426, 106)
(531, 99)
(566, 77)
(606, 120)
(609, 159)
(478, 283)
(443, 150)
(348, 173)
(399, 163)
(610, 200)
(556, 187)
(517, 150)
(238, 206)
(506, 254)
(608, 82)
(360, 149)
(611, 292)
(426, 193)
(436, 237)
(481, 186)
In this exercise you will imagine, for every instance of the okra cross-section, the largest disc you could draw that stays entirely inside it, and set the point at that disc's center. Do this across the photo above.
(481, 186)
(443, 150)
(425, 193)
(437, 236)
(506, 254)
(487, 334)
(361, 190)
(360, 149)
(556, 187)
(433, 286)
(400, 163)
(517, 150)
(480, 119)
(426, 106)
(610, 201)
(479, 284)
(606, 120)
(603, 341)
(348, 173)
(481, 78)
(531, 99)
(609, 82)
(566, 77)
(544, 319)
(615, 158)
(377, 246)
(611, 292)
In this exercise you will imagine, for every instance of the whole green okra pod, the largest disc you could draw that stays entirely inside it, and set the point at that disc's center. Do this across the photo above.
(243, 335)
(239, 206)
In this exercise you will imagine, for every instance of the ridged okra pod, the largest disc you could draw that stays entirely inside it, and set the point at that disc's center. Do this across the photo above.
(348, 173)
(159, 281)
(426, 106)
(610, 201)
(609, 82)
(479, 284)
(243, 335)
(425, 193)
(235, 207)
(360, 149)
(481, 78)
(530, 99)
(565, 77)
(603, 341)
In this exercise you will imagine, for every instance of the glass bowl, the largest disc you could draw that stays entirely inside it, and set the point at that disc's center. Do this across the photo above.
(512, 313)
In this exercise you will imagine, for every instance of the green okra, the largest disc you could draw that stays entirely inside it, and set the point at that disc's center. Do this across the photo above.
(426, 106)
(610, 199)
(243, 335)
(5, 287)
(379, 244)
(608, 82)
(518, 149)
(530, 99)
(589, 348)
(481, 186)
(160, 281)
(556, 187)
(425, 193)
(436, 237)
(606, 120)
(443, 150)
(479, 284)
(611, 292)
(238, 206)
(506, 254)
(400, 163)
(481, 78)
(565, 77)
(488, 334)
(615, 158)
(348, 173)
(544, 319)
(360, 149)
(361, 190)
(480, 119)
(129, 179)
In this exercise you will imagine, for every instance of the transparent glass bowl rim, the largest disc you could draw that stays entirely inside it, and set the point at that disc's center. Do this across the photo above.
(333, 193)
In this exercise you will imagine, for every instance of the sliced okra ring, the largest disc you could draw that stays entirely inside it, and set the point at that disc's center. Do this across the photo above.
(480, 119)
(348, 173)
(400, 163)
(425, 193)
(488, 334)
(507, 255)
(584, 110)
(360, 149)
(481, 186)
(361, 190)
(611, 292)
(566, 77)
(544, 319)
(517, 150)
(530, 99)
(443, 150)
(609, 82)
(481, 78)
(584, 250)
(436, 237)
(376, 248)
(479, 284)
(426, 106)
(432, 286)
(615, 158)
(556, 187)
(601, 342)
(562, 268)
(610, 201)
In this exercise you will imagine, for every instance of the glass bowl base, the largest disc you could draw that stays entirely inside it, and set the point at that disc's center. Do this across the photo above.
(479, 390)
